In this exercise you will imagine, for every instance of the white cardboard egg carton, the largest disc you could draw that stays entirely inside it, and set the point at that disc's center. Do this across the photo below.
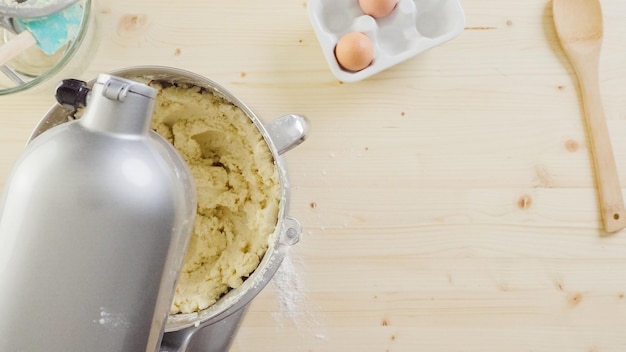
(414, 26)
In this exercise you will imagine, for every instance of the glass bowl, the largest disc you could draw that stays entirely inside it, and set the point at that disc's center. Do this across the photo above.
(32, 68)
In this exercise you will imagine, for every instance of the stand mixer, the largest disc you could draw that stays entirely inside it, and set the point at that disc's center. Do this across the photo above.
(95, 222)
(94, 225)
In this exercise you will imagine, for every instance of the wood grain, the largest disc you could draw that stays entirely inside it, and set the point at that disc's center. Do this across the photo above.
(448, 203)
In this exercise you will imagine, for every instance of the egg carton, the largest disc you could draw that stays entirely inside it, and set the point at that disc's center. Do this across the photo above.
(414, 26)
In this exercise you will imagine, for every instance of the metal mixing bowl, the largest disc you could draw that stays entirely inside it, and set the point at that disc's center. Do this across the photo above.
(199, 331)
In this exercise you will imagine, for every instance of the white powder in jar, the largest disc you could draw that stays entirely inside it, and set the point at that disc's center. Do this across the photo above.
(32, 3)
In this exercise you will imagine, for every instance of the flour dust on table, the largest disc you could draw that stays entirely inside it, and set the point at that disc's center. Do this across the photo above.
(290, 289)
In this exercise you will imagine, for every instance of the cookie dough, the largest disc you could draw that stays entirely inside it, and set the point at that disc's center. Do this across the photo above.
(237, 187)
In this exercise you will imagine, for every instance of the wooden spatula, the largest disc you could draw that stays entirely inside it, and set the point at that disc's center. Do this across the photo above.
(579, 26)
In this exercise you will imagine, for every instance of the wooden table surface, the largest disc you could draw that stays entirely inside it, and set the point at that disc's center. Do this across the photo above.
(448, 203)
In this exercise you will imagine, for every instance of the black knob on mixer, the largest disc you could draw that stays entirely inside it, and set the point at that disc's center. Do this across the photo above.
(72, 93)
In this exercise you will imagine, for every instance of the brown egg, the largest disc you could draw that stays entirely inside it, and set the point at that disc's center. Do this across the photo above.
(377, 8)
(354, 51)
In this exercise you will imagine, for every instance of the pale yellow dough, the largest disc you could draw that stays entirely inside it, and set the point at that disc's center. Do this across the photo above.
(237, 186)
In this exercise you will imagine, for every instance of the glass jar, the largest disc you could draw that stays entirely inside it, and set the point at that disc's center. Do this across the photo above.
(33, 68)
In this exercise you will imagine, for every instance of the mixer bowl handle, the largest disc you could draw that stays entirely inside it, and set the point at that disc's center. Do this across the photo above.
(288, 131)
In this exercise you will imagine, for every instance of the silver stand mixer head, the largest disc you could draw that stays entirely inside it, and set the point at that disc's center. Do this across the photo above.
(94, 225)
(70, 322)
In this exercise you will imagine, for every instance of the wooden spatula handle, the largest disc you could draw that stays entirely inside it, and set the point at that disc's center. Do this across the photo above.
(609, 188)
(15, 46)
